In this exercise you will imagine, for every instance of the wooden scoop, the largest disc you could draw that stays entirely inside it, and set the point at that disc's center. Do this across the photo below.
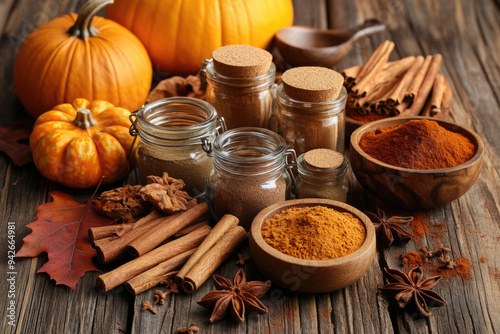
(305, 46)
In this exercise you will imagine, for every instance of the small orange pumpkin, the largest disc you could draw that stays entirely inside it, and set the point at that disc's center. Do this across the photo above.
(76, 144)
(180, 34)
(82, 56)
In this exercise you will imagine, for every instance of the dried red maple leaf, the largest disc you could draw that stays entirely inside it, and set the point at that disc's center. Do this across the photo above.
(62, 231)
(9, 141)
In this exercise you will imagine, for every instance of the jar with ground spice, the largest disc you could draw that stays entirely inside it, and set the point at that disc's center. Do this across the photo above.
(239, 80)
(175, 136)
(250, 173)
(310, 109)
(322, 174)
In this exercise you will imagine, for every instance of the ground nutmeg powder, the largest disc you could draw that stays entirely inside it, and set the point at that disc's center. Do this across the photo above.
(314, 233)
(418, 144)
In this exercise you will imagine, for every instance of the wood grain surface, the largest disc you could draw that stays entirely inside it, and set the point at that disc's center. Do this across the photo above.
(465, 32)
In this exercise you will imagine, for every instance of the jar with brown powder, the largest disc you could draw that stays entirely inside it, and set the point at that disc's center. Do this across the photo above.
(322, 174)
(250, 173)
(175, 136)
(310, 109)
(239, 80)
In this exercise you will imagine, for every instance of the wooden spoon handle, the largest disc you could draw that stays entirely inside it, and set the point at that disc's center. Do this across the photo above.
(368, 28)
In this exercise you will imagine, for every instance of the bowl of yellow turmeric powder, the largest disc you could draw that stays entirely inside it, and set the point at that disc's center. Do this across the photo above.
(312, 245)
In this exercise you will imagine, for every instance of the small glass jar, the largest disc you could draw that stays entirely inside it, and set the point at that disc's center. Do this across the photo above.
(250, 173)
(243, 102)
(329, 183)
(175, 136)
(309, 125)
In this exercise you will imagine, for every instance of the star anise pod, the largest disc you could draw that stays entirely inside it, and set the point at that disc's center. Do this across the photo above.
(165, 193)
(240, 296)
(412, 288)
(389, 230)
(124, 204)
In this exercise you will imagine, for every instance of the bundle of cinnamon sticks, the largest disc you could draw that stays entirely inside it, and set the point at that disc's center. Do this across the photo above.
(162, 244)
(408, 87)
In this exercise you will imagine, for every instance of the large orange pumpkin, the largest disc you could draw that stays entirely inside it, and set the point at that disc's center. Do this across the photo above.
(82, 56)
(76, 144)
(180, 34)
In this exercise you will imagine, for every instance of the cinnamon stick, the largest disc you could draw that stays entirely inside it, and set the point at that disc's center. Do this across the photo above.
(155, 275)
(384, 84)
(96, 233)
(419, 78)
(372, 69)
(111, 251)
(190, 229)
(212, 259)
(425, 88)
(374, 58)
(402, 87)
(437, 94)
(445, 103)
(350, 75)
(225, 224)
(139, 265)
(156, 235)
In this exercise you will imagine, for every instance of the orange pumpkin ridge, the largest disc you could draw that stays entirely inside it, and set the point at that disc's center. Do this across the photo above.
(82, 56)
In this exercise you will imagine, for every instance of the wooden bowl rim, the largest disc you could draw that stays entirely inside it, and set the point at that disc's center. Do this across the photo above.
(356, 135)
(256, 234)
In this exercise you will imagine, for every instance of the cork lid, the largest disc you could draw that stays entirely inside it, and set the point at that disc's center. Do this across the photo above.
(324, 158)
(312, 84)
(241, 61)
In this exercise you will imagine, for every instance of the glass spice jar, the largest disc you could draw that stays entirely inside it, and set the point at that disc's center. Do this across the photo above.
(322, 174)
(175, 136)
(243, 102)
(309, 125)
(251, 172)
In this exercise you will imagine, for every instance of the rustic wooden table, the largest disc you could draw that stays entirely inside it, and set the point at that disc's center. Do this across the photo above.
(467, 33)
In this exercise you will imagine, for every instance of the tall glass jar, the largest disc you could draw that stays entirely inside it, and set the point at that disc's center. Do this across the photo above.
(309, 125)
(176, 136)
(243, 102)
(317, 182)
(250, 173)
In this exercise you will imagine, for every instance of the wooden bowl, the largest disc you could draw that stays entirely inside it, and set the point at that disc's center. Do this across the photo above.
(412, 188)
(310, 275)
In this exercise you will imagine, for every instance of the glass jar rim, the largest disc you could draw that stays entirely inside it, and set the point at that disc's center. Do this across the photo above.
(271, 161)
(323, 107)
(148, 119)
(256, 82)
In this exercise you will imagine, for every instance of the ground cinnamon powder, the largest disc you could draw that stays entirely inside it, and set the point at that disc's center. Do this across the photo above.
(314, 233)
(418, 144)
(463, 269)
(412, 259)
(419, 226)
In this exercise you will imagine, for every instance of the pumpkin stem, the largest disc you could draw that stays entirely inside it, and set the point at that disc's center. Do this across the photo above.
(84, 119)
(83, 27)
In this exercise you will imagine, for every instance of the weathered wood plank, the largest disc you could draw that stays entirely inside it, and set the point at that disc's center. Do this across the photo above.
(311, 13)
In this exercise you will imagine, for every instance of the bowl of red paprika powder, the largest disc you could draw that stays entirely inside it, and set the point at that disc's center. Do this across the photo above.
(416, 162)
(312, 245)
